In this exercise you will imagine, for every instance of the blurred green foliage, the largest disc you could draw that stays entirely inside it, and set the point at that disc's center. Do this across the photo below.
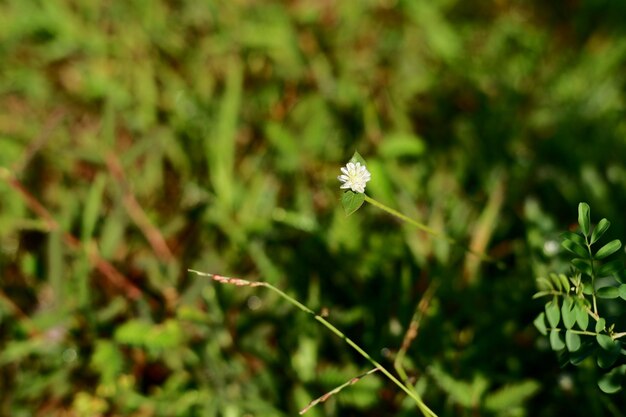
(166, 135)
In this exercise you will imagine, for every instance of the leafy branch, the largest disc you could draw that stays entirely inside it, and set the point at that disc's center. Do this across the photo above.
(575, 299)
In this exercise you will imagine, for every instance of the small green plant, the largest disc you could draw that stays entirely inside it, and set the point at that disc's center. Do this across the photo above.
(354, 180)
(573, 320)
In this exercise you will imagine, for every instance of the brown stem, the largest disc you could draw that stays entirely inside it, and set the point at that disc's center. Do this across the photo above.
(136, 212)
(101, 264)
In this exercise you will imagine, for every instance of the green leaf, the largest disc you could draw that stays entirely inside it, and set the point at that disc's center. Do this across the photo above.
(552, 312)
(352, 201)
(511, 396)
(572, 340)
(540, 324)
(564, 282)
(133, 332)
(612, 381)
(600, 325)
(607, 358)
(622, 291)
(582, 317)
(582, 265)
(107, 360)
(576, 238)
(607, 292)
(555, 340)
(357, 158)
(584, 218)
(599, 230)
(556, 282)
(610, 268)
(608, 249)
(568, 314)
(606, 342)
(544, 284)
(576, 249)
(620, 276)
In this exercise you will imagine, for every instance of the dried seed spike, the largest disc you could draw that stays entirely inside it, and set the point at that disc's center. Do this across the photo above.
(227, 280)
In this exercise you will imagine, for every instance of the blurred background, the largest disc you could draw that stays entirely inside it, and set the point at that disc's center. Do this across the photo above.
(142, 138)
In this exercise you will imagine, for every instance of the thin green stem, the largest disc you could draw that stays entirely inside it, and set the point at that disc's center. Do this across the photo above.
(583, 332)
(618, 335)
(426, 229)
(593, 276)
(242, 282)
(420, 404)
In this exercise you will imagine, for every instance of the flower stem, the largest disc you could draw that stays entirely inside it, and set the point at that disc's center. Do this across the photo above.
(426, 229)
(241, 282)
(420, 404)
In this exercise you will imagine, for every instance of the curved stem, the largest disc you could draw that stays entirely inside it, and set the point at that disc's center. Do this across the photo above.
(242, 282)
(426, 229)
(420, 404)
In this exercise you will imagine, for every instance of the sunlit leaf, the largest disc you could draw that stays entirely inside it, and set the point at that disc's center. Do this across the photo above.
(540, 324)
(568, 314)
(608, 249)
(600, 325)
(555, 340)
(352, 201)
(575, 248)
(606, 342)
(582, 317)
(599, 230)
(584, 217)
(576, 238)
(572, 340)
(556, 282)
(357, 158)
(553, 313)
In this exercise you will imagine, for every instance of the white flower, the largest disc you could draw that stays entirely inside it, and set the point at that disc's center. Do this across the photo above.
(355, 176)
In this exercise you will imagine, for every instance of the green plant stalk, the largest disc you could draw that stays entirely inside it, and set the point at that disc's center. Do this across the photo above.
(425, 228)
(420, 404)
(241, 282)
(593, 276)
(581, 332)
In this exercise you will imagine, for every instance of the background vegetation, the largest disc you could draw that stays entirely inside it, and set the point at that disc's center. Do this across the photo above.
(142, 138)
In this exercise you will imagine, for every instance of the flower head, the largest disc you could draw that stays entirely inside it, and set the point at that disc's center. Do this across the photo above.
(355, 176)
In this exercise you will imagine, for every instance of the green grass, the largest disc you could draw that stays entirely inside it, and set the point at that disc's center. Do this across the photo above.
(161, 136)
